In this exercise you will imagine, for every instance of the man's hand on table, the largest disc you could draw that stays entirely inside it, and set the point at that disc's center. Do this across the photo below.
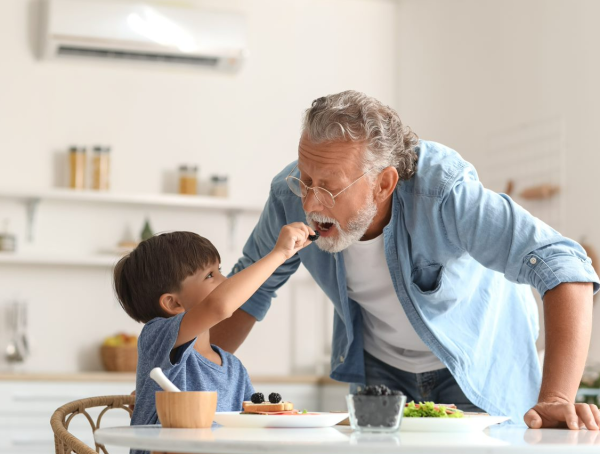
(568, 326)
(563, 414)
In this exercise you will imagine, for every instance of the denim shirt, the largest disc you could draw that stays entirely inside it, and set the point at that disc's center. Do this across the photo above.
(462, 260)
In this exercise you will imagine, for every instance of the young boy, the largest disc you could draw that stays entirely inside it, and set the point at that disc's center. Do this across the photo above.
(173, 283)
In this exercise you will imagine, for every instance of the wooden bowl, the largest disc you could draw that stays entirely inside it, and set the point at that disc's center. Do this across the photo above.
(186, 409)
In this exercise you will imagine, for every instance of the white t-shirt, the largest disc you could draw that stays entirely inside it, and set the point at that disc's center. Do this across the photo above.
(388, 334)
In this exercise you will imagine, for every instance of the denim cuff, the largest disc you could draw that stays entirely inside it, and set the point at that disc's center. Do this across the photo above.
(544, 275)
(257, 306)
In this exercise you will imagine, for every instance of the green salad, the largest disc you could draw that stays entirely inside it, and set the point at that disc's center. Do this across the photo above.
(430, 410)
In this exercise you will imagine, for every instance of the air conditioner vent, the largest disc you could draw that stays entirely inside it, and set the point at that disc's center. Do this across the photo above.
(139, 56)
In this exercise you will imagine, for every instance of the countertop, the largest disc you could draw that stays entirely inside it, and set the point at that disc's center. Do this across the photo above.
(130, 377)
(342, 440)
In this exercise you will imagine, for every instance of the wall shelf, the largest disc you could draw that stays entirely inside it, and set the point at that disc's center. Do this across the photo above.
(32, 199)
(157, 200)
(92, 261)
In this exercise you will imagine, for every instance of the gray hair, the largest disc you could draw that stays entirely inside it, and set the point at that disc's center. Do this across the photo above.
(351, 115)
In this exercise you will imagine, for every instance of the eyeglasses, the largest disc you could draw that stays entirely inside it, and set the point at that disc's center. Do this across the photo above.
(325, 198)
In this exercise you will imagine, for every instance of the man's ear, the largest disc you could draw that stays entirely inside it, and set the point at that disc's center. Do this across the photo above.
(170, 304)
(387, 181)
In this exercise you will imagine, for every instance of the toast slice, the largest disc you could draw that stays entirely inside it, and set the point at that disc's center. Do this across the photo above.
(271, 413)
(249, 407)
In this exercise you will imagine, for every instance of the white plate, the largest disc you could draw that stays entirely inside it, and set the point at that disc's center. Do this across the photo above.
(235, 419)
(465, 424)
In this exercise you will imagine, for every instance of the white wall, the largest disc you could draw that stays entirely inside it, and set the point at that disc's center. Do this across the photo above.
(469, 68)
(245, 125)
(456, 71)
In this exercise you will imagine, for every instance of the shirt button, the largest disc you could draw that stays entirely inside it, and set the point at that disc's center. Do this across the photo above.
(341, 358)
(533, 260)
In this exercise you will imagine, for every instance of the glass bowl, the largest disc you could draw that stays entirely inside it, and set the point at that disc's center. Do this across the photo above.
(375, 413)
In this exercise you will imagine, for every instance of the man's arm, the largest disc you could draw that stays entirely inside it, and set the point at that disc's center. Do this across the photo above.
(503, 236)
(568, 327)
(232, 332)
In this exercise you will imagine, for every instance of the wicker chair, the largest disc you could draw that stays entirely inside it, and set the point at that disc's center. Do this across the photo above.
(65, 442)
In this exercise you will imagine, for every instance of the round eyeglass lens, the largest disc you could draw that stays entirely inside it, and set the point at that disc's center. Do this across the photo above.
(324, 197)
(296, 186)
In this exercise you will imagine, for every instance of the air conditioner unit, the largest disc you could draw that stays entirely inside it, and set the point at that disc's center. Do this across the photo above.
(144, 31)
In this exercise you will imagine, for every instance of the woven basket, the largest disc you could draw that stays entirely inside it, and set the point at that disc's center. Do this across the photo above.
(119, 359)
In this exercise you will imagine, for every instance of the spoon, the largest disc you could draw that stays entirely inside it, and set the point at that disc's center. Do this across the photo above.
(159, 377)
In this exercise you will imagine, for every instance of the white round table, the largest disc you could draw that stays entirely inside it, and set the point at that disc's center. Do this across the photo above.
(342, 440)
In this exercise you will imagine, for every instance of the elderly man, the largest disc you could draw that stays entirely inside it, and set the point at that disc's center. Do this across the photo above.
(423, 266)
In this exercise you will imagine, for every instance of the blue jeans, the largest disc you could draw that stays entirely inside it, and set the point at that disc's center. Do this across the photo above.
(438, 386)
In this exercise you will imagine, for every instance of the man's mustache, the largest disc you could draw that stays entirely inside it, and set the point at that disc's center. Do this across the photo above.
(316, 217)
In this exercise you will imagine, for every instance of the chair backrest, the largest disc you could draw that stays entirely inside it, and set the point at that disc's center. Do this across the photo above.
(64, 441)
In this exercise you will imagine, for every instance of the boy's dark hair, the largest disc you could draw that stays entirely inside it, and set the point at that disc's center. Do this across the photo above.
(157, 266)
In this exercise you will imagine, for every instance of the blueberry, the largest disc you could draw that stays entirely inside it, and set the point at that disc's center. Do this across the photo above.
(376, 420)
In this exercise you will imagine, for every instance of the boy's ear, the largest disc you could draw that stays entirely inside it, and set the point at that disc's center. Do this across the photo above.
(170, 304)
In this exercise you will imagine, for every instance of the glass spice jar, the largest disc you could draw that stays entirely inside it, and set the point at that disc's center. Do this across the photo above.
(188, 180)
(219, 186)
(8, 241)
(100, 168)
(77, 165)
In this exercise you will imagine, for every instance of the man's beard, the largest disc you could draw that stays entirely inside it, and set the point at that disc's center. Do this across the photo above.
(357, 226)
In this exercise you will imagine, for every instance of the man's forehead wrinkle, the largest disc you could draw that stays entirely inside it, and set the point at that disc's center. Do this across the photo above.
(323, 158)
(328, 172)
(333, 157)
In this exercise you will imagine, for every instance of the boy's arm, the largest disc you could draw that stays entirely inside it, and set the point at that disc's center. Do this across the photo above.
(261, 241)
(224, 300)
(230, 333)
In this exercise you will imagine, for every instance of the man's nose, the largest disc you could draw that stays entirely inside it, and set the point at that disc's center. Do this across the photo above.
(311, 203)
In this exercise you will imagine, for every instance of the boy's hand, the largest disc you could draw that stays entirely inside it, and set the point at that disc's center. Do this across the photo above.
(292, 238)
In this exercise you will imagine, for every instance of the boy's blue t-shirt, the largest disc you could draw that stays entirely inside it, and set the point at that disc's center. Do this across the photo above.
(187, 369)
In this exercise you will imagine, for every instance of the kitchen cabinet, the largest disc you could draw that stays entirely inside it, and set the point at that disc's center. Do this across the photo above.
(26, 408)
(28, 401)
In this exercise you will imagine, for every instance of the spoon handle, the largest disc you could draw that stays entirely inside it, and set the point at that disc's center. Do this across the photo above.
(159, 377)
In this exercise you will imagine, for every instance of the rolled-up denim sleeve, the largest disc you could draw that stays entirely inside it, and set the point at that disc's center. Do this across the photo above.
(260, 243)
(503, 236)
